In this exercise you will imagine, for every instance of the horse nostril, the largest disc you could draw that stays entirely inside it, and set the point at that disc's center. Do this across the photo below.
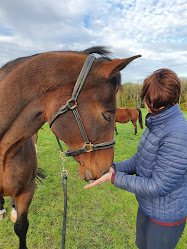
(87, 176)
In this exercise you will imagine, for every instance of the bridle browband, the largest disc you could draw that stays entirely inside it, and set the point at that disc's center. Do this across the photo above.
(72, 105)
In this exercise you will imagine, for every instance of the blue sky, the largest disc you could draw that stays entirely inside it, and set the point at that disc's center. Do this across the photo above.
(156, 29)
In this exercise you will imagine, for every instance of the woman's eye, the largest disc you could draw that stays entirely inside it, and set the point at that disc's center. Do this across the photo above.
(106, 117)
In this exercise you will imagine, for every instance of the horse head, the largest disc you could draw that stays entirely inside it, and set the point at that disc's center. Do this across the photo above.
(96, 105)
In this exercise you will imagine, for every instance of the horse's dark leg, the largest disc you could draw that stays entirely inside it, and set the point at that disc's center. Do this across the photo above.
(135, 129)
(21, 227)
(12, 202)
(2, 210)
(22, 205)
(1, 202)
(116, 130)
(135, 126)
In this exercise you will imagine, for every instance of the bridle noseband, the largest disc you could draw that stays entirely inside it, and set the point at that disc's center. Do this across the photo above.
(72, 105)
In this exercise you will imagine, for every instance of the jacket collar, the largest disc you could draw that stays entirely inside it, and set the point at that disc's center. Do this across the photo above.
(164, 114)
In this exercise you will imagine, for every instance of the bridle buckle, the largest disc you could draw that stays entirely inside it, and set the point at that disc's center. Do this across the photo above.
(72, 104)
(89, 146)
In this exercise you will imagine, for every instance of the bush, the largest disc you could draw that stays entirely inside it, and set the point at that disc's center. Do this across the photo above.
(183, 106)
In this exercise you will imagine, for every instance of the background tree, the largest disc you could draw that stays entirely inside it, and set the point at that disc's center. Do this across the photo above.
(129, 95)
(183, 98)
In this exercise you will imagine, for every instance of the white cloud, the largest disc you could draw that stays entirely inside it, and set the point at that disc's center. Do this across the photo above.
(156, 29)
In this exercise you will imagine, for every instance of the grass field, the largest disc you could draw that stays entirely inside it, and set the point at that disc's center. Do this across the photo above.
(98, 218)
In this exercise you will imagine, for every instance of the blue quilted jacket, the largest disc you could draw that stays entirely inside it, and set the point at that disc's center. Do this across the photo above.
(160, 168)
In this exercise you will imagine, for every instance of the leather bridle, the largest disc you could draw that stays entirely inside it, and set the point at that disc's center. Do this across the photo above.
(72, 105)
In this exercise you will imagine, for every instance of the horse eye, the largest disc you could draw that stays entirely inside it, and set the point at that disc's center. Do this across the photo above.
(106, 117)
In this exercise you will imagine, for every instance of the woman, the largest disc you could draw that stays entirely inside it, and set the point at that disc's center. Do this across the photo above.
(157, 173)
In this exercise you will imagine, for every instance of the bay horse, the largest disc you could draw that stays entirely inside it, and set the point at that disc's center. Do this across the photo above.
(38, 89)
(124, 115)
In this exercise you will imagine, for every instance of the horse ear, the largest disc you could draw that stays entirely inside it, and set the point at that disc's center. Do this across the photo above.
(111, 68)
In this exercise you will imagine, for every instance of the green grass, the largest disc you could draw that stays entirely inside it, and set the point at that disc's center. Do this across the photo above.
(100, 217)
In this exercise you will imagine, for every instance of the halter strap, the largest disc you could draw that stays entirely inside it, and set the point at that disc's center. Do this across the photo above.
(91, 147)
(77, 88)
(82, 77)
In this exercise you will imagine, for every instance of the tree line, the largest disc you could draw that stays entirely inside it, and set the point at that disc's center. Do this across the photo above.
(129, 95)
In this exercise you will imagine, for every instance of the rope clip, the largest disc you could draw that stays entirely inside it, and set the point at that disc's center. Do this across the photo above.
(63, 171)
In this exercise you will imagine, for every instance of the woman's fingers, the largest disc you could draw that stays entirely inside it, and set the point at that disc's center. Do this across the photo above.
(106, 177)
(92, 184)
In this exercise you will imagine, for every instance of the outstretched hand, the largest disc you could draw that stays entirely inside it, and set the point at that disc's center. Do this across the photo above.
(106, 177)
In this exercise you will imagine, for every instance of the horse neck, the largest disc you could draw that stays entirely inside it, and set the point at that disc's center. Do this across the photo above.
(20, 116)
(23, 96)
(10, 66)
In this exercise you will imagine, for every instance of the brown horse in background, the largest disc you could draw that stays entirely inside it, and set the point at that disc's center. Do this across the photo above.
(124, 115)
(33, 91)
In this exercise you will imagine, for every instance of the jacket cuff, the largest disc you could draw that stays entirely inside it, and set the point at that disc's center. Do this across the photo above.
(114, 167)
(112, 178)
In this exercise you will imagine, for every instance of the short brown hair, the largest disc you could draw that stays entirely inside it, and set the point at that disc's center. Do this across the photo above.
(161, 88)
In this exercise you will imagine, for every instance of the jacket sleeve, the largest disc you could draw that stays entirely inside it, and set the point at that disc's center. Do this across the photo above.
(169, 170)
(128, 166)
